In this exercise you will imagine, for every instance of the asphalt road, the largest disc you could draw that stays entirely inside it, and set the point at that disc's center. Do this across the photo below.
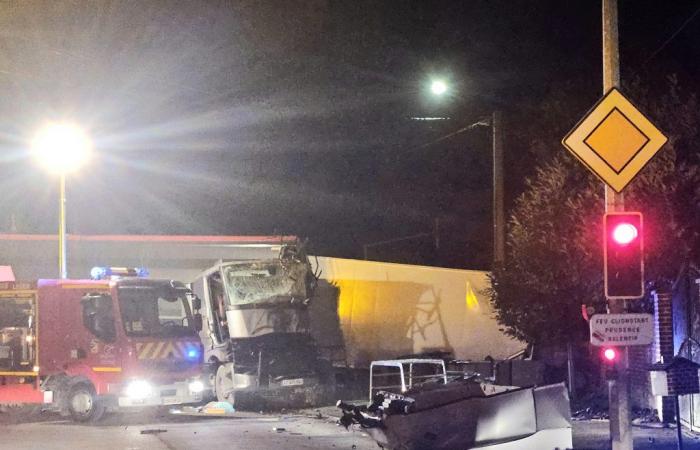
(594, 435)
(162, 432)
(248, 431)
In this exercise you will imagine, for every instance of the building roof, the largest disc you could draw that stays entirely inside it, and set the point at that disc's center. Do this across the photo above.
(150, 238)
(179, 257)
(675, 363)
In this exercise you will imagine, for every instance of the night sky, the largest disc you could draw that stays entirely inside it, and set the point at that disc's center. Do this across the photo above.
(294, 117)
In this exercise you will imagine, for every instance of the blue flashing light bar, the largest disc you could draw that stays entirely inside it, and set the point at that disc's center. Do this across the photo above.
(98, 273)
(108, 273)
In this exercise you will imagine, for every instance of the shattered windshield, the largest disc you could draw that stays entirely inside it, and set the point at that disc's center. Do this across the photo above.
(271, 281)
(155, 311)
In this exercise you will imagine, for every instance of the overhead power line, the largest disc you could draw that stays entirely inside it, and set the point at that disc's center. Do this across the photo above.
(673, 36)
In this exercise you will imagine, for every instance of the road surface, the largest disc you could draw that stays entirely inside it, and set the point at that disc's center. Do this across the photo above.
(246, 431)
(252, 431)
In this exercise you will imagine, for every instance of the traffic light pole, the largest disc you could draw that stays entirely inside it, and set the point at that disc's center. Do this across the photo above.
(618, 388)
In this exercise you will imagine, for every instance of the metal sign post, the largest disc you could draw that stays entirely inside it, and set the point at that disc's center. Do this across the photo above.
(615, 141)
(619, 389)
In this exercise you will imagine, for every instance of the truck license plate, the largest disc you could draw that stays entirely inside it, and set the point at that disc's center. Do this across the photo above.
(293, 382)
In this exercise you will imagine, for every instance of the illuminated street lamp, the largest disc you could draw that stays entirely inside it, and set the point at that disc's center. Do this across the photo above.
(61, 149)
(440, 88)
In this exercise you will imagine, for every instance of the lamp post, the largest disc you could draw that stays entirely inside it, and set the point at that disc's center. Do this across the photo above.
(439, 88)
(61, 148)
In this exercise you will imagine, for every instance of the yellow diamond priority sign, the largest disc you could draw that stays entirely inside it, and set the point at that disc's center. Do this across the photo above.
(615, 140)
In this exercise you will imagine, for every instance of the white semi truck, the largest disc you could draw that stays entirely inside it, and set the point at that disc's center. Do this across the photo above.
(257, 343)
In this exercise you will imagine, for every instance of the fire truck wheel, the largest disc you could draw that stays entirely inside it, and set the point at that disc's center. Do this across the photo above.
(223, 385)
(83, 404)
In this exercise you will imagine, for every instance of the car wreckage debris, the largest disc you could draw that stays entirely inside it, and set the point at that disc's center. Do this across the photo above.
(459, 414)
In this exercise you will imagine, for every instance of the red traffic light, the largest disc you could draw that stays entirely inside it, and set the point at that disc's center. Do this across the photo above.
(624, 255)
(610, 355)
(624, 233)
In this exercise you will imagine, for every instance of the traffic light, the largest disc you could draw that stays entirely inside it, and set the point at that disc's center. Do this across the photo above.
(610, 355)
(624, 251)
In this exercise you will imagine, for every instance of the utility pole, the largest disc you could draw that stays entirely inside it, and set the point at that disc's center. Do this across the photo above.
(62, 261)
(618, 388)
(498, 213)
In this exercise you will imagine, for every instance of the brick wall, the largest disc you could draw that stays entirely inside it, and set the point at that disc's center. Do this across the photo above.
(683, 380)
(663, 326)
(663, 331)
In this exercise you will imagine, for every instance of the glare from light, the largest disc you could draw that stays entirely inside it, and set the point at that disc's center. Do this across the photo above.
(139, 389)
(196, 386)
(61, 148)
(625, 233)
(610, 354)
(438, 87)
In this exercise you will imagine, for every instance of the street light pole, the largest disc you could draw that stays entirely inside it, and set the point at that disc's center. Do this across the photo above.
(62, 265)
(61, 149)
(439, 88)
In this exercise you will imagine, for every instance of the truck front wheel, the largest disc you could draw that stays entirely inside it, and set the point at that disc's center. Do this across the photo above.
(224, 385)
(84, 405)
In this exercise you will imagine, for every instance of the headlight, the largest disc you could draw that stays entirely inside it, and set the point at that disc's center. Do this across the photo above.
(138, 389)
(196, 386)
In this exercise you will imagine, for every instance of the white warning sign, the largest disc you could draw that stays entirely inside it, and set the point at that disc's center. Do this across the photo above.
(622, 329)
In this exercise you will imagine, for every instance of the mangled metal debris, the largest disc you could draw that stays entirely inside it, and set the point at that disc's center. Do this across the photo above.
(459, 414)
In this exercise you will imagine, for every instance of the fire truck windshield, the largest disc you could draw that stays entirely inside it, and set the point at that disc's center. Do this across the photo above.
(155, 312)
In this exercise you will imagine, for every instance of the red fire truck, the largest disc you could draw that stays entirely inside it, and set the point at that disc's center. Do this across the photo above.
(83, 347)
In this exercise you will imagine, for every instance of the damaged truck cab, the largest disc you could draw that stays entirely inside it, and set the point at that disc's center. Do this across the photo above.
(81, 347)
(256, 336)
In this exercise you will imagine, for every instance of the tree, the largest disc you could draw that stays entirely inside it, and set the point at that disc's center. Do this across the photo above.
(554, 242)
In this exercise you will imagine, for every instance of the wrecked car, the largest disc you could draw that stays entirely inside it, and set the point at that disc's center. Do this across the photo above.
(414, 405)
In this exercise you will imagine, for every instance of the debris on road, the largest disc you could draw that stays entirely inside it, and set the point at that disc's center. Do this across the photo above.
(645, 416)
(591, 413)
(153, 431)
(425, 411)
(439, 416)
(216, 409)
(639, 416)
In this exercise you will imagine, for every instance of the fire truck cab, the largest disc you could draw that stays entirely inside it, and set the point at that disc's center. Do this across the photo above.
(83, 347)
